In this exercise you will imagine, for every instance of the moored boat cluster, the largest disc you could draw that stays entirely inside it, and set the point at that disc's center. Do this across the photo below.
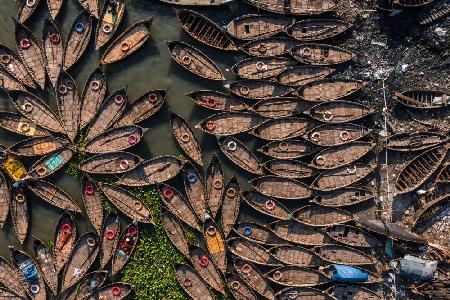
(315, 169)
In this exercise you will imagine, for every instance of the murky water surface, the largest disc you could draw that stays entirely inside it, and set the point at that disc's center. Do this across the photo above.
(149, 68)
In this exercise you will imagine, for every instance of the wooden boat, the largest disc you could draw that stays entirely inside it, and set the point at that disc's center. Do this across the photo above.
(11, 279)
(13, 167)
(257, 233)
(204, 30)
(393, 231)
(46, 263)
(329, 89)
(238, 288)
(116, 139)
(178, 205)
(269, 46)
(194, 61)
(26, 9)
(92, 202)
(128, 42)
(127, 203)
(339, 111)
(231, 203)
(185, 137)
(344, 176)
(254, 278)
(214, 183)
(240, 155)
(14, 66)
(267, 205)
(114, 291)
(321, 54)
(109, 21)
(174, 231)
(372, 277)
(250, 27)
(304, 7)
(93, 95)
(152, 171)
(108, 113)
(282, 107)
(414, 141)
(311, 30)
(4, 200)
(215, 243)
(110, 232)
(283, 128)
(78, 39)
(8, 294)
(87, 285)
(17, 124)
(422, 98)
(30, 52)
(110, 163)
(352, 236)
(23, 263)
(301, 75)
(217, 101)
(18, 206)
(191, 282)
(36, 110)
(9, 83)
(296, 256)
(302, 293)
(53, 50)
(344, 197)
(430, 211)
(299, 233)
(412, 3)
(315, 215)
(357, 292)
(91, 6)
(341, 155)
(50, 163)
(419, 169)
(36, 146)
(65, 237)
(289, 168)
(293, 276)
(206, 269)
(385, 5)
(261, 67)
(195, 190)
(229, 123)
(431, 290)
(250, 251)
(289, 149)
(258, 89)
(339, 254)
(69, 104)
(125, 247)
(329, 135)
(54, 6)
(81, 259)
(143, 108)
(52, 194)
(440, 12)
(284, 188)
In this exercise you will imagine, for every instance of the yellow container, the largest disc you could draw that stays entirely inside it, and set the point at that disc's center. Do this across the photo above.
(14, 168)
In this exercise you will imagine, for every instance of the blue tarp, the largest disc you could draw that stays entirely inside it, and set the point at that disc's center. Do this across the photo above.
(346, 273)
(29, 271)
(417, 269)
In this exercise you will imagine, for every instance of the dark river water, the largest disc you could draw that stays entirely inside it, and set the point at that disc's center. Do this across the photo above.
(149, 68)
